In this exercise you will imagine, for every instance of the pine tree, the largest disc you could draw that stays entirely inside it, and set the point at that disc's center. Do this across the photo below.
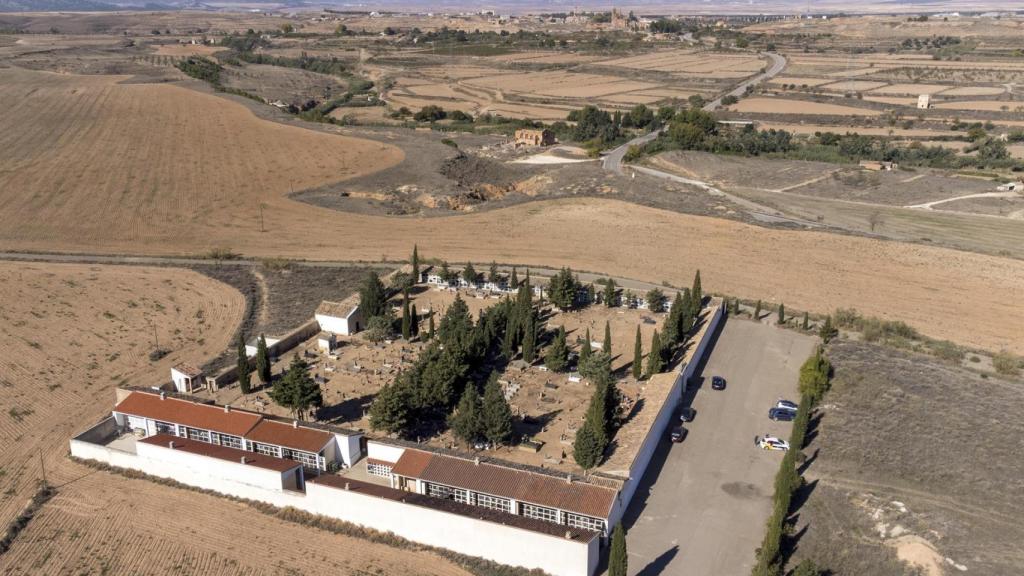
(530, 339)
(415, 264)
(263, 361)
(782, 313)
(297, 390)
(514, 279)
(696, 294)
(390, 411)
(492, 273)
(243, 367)
(807, 322)
(617, 559)
(406, 317)
(609, 293)
(414, 318)
(585, 348)
(638, 351)
(606, 346)
(654, 359)
(372, 297)
(757, 311)
(497, 416)
(467, 420)
(557, 356)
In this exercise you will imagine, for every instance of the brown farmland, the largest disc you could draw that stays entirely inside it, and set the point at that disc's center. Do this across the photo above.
(72, 333)
(964, 297)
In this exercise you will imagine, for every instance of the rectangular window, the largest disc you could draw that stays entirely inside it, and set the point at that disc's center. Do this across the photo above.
(375, 469)
(493, 502)
(198, 435)
(447, 492)
(166, 428)
(540, 513)
(231, 441)
(308, 460)
(585, 522)
(266, 450)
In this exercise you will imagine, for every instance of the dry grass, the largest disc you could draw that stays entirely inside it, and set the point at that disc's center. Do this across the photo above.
(908, 441)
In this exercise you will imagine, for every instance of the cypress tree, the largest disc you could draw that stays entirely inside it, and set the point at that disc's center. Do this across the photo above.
(514, 279)
(557, 356)
(587, 448)
(430, 323)
(243, 367)
(782, 313)
(530, 339)
(414, 318)
(735, 306)
(757, 311)
(637, 354)
(617, 559)
(263, 361)
(585, 349)
(696, 294)
(606, 346)
(609, 293)
(674, 322)
(654, 360)
(807, 322)
(827, 331)
(492, 273)
(372, 298)
(415, 264)
(469, 274)
(406, 318)
(497, 416)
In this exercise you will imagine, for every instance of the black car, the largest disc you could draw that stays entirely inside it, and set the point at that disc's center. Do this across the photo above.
(687, 414)
(678, 434)
(717, 383)
(782, 414)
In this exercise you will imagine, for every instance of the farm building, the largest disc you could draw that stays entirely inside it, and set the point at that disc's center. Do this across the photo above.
(532, 494)
(878, 165)
(145, 413)
(345, 317)
(534, 137)
(186, 378)
(924, 101)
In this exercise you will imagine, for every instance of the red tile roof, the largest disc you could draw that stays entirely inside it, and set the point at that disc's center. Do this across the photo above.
(521, 485)
(281, 434)
(192, 414)
(222, 452)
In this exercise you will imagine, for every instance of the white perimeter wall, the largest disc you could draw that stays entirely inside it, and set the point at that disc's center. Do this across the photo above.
(555, 555)
(663, 420)
(333, 324)
(385, 452)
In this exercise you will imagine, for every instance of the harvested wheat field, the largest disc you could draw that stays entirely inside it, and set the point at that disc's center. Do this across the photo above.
(169, 158)
(965, 297)
(783, 106)
(72, 333)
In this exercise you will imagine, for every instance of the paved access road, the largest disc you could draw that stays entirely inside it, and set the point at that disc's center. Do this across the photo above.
(702, 507)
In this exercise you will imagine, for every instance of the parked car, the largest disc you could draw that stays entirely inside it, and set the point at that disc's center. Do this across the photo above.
(687, 414)
(782, 414)
(678, 434)
(787, 405)
(772, 443)
(717, 383)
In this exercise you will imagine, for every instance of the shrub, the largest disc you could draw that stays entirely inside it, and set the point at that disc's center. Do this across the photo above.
(1007, 363)
(946, 350)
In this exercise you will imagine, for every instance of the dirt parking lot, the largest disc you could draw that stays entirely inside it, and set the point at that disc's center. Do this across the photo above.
(702, 505)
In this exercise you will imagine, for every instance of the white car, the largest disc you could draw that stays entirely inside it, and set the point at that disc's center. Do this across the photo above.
(772, 443)
(786, 405)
